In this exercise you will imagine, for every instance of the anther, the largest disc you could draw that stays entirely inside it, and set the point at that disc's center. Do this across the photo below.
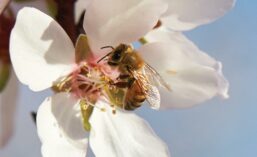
(103, 109)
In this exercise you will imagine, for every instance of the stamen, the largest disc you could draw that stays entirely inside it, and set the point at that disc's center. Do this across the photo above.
(87, 84)
(90, 79)
(103, 109)
(63, 84)
(86, 104)
(113, 109)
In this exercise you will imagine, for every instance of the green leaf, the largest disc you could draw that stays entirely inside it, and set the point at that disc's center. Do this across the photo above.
(4, 76)
(82, 49)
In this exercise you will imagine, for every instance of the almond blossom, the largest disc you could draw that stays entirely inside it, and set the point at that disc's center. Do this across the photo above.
(43, 56)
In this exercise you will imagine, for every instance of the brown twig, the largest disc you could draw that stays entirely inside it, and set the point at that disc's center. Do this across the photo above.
(65, 17)
(6, 25)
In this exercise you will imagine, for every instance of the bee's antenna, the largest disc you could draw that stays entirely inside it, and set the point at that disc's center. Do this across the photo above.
(107, 47)
(103, 57)
(107, 54)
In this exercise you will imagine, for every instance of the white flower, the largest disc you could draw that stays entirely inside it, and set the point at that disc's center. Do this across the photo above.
(42, 54)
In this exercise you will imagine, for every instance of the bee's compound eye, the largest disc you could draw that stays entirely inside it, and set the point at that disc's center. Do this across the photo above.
(116, 56)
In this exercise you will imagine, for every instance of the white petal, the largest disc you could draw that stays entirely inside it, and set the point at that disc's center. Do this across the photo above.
(111, 22)
(123, 135)
(188, 14)
(182, 43)
(193, 76)
(60, 127)
(41, 51)
(80, 7)
(8, 100)
(222, 82)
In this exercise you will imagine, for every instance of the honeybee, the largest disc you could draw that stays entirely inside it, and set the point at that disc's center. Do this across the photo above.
(138, 77)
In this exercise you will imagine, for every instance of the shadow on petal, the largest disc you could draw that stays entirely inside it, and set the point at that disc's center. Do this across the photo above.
(67, 112)
(59, 51)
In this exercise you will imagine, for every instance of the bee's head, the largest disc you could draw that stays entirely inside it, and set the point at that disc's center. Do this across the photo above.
(116, 55)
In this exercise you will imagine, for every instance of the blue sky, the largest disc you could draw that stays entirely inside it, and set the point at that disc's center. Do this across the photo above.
(218, 128)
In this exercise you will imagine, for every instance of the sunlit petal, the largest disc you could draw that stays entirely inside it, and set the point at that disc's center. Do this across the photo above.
(60, 128)
(40, 54)
(123, 135)
(192, 75)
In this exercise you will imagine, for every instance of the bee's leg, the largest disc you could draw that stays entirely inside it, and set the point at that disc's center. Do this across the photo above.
(131, 81)
(123, 76)
(121, 84)
(126, 81)
(124, 73)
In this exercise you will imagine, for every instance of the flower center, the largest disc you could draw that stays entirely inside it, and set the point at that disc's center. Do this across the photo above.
(88, 83)
(85, 83)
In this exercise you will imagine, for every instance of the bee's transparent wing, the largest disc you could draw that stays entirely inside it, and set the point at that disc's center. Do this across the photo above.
(151, 91)
(154, 77)
(153, 97)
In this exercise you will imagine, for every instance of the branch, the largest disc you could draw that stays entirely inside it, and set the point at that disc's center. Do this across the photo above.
(65, 17)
